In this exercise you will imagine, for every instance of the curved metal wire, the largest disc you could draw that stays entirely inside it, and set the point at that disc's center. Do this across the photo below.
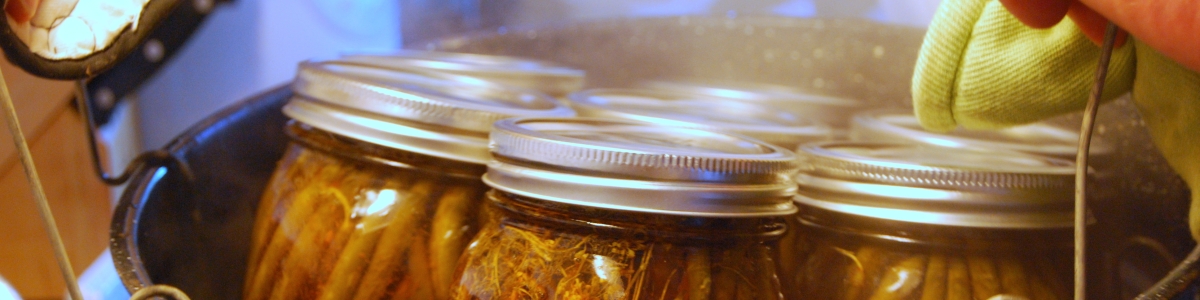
(1183, 275)
(159, 290)
(1081, 163)
(146, 159)
(1177, 281)
(39, 194)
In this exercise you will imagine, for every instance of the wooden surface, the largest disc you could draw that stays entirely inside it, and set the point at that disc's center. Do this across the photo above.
(80, 202)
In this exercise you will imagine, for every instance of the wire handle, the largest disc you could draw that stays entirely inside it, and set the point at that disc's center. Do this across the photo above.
(39, 194)
(1177, 281)
(1081, 162)
(145, 160)
(159, 290)
(1183, 275)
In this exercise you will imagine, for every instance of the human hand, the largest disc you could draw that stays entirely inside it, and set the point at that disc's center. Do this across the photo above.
(1169, 26)
(21, 10)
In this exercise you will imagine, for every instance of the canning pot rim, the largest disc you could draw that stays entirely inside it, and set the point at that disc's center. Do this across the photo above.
(123, 233)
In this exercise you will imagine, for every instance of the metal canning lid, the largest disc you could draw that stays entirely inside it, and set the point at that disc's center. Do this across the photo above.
(937, 186)
(835, 111)
(634, 166)
(550, 78)
(758, 120)
(900, 125)
(411, 111)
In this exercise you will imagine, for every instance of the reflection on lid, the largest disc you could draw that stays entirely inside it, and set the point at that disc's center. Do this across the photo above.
(546, 77)
(629, 165)
(759, 120)
(835, 111)
(419, 96)
(752, 91)
(410, 110)
(664, 141)
(937, 185)
(900, 125)
(915, 157)
(464, 62)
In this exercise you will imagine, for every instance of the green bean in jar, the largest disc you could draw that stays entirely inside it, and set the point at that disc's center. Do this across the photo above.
(372, 200)
(893, 221)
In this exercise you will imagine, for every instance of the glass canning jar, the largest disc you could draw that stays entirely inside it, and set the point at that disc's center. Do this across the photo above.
(378, 193)
(616, 209)
(901, 126)
(893, 221)
(553, 79)
(759, 120)
(828, 109)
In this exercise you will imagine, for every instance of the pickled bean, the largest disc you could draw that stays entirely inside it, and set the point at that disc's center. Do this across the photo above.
(256, 286)
(418, 263)
(264, 225)
(902, 279)
(725, 277)
(309, 245)
(867, 259)
(1047, 272)
(1039, 289)
(744, 290)
(397, 239)
(740, 266)
(663, 273)
(790, 249)
(451, 231)
(329, 258)
(934, 284)
(984, 281)
(958, 279)
(281, 243)
(352, 260)
(767, 278)
(1013, 280)
(835, 265)
(699, 274)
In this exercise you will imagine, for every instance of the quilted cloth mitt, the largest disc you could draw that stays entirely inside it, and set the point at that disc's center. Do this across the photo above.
(981, 68)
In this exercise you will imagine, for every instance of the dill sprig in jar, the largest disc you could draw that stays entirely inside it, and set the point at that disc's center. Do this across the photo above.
(378, 193)
(616, 209)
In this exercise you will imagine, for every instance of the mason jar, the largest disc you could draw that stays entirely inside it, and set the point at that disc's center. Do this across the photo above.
(901, 126)
(379, 190)
(897, 221)
(828, 109)
(675, 108)
(616, 209)
(547, 77)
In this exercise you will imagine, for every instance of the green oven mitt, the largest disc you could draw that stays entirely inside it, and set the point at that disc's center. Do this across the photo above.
(1168, 97)
(981, 68)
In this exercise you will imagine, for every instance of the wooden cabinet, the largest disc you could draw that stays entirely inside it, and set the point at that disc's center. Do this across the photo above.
(79, 200)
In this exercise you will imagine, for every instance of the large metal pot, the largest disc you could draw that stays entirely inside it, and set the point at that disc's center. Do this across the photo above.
(195, 235)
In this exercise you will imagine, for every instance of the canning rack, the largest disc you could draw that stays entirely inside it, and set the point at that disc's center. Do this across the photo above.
(1174, 284)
